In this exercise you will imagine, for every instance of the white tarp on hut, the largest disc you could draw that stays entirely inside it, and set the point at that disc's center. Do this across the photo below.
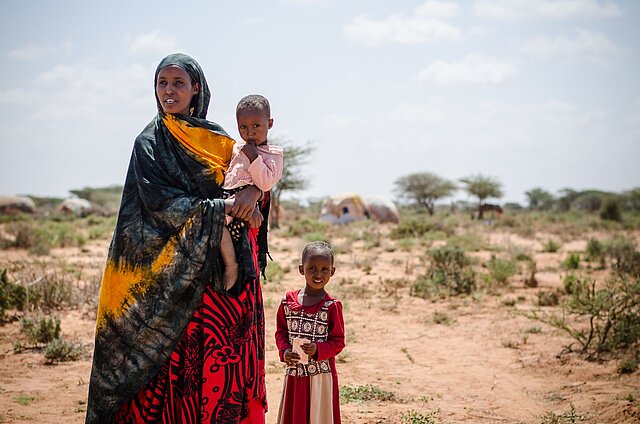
(10, 205)
(348, 207)
(75, 206)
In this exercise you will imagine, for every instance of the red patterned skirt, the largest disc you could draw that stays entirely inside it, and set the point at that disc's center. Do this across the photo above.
(216, 373)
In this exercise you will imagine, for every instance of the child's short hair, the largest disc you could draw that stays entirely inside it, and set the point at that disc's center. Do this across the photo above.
(254, 103)
(320, 247)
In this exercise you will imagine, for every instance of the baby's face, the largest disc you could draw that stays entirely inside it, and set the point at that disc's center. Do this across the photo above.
(254, 126)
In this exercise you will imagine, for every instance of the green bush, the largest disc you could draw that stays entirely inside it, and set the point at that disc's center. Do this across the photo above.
(415, 417)
(12, 296)
(625, 257)
(306, 226)
(500, 269)
(448, 274)
(571, 262)
(61, 350)
(413, 228)
(42, 331)
(611, 211)
(611, 314)
(365, 393)
(628, 366)
(596, 252)
(551, 246)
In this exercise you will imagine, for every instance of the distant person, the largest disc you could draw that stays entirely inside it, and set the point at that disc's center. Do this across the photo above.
(309, 336)
(172, 344)
(254, 163)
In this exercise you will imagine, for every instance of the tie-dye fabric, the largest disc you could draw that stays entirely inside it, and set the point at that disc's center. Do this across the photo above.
(165, 253)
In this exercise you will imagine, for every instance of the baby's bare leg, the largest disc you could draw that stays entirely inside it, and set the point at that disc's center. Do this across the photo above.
(229, 258)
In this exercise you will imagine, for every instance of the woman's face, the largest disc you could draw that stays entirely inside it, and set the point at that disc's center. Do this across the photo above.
(175, 90)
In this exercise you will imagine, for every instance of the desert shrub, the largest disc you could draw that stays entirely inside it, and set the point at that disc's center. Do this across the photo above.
(275, 272)
(415, 417)
(596, 252)
(551, 246)
(12, 295)
(306, 226)
(61, 350)
(571, 262)
(40, 236)
(612, 313)
(100, 227)
(448, 274)
(442, 318)
(548, 298)
(625, 257)
(468, 241)
(530, 274)
(569, 417)
(413, 228)
(611, 211)
(627, 366)
(365, 393)
(52, 290)
(501, 269)
(41, 331)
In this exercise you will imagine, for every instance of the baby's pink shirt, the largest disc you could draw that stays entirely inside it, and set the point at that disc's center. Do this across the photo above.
(264, 172)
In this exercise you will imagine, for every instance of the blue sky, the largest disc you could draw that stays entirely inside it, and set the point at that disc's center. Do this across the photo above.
(536, 93)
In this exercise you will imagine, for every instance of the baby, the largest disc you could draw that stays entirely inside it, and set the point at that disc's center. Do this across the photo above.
(254, 162)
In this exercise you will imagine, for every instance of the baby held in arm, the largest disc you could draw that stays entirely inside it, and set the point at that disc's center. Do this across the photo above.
(256, 163)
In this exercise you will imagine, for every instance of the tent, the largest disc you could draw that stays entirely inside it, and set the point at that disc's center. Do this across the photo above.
(10, 205)
(349, 207)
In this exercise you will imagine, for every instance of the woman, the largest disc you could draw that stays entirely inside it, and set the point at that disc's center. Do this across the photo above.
(171, 344)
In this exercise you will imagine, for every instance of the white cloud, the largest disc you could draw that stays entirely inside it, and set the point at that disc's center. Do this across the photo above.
(583, 45)
(400, 29)
(84, 90)
(438, 9)
(473, 69)
(514, 10)
(426, 24)
(33, 51)
(153, 42)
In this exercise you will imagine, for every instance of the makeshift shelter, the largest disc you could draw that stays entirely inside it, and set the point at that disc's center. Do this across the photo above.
(11, 205)
(349, 207)
(382, 209)
(343, 208)
(76, 206)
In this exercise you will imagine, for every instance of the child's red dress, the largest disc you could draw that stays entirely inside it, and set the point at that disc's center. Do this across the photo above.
(310, 394)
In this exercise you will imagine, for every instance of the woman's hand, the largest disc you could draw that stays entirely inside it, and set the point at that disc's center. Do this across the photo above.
(256, 218)
(309, 348)
(245, 203)
(290, 358)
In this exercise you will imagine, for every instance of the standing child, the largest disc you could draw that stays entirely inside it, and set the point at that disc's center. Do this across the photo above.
(309, 335)
(254, 162)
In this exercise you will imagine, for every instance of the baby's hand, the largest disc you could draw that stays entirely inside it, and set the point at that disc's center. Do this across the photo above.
(249, 149)
(291, 358)
(309, 348)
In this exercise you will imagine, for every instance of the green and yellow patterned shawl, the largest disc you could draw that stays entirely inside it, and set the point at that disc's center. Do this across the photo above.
(164, 249)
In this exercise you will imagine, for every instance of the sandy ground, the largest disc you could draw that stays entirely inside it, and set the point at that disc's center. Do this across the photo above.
(488, 364)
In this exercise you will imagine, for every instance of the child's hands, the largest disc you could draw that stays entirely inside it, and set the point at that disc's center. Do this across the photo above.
(291, 358)
(249, 149)
(309, 348)
(256, 218)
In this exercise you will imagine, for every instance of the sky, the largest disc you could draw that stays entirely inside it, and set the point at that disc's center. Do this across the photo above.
(533, 93)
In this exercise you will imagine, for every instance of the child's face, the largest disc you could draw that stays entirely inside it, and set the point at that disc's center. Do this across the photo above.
(254, 126)
(317, 270)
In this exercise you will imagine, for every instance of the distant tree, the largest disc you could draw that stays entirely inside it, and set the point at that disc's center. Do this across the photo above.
(292, 179)
(424, 189)
(631, 199)
(482, 187)
(540, 199)
(565, 198)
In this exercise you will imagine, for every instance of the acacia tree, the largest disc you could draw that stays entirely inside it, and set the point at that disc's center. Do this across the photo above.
(482, 187)
(540, 199)
(424, 189)
(292, 178)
